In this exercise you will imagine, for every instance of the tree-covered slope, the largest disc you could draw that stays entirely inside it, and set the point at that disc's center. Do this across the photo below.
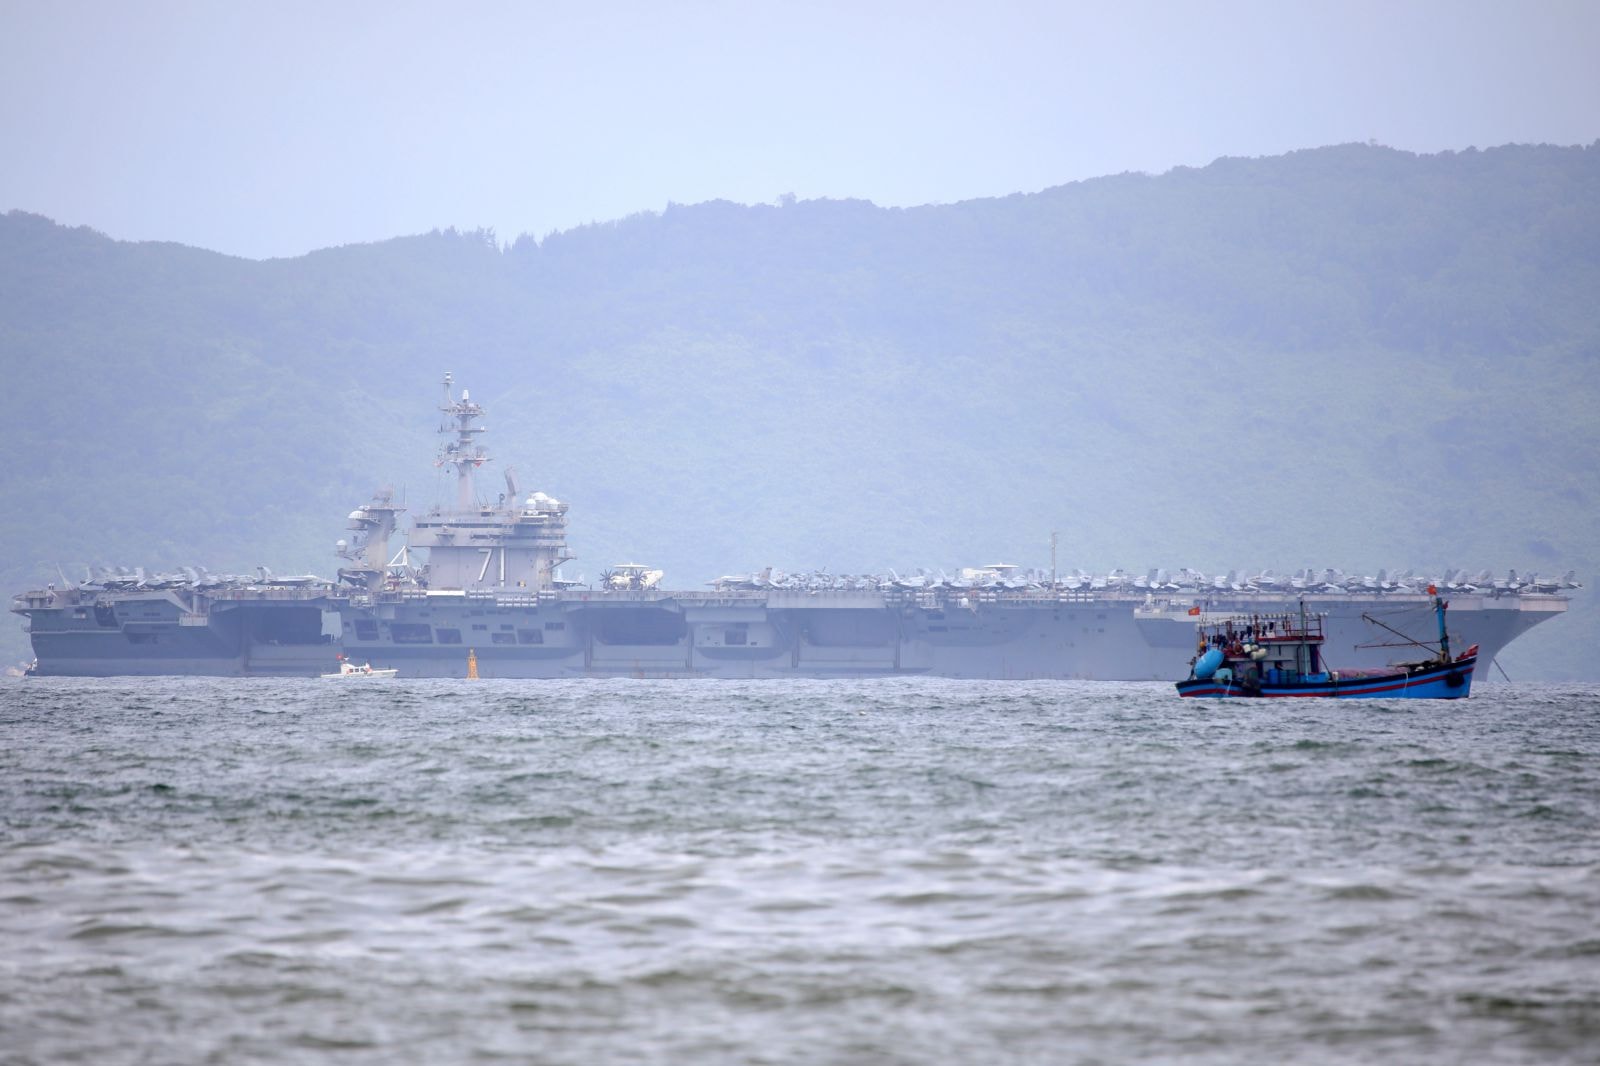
(1348, 357)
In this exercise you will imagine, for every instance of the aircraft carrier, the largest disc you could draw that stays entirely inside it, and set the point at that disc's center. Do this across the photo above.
(478, 585)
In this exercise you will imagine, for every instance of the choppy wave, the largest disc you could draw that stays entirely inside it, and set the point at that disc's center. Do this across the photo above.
(885, 872)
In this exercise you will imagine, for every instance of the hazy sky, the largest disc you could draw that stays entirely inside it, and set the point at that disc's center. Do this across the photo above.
(269, 129)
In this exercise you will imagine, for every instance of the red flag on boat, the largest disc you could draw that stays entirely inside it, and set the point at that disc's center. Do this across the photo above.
(1194, 610)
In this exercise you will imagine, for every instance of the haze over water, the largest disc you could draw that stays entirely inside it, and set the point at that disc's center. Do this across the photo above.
(886, 872)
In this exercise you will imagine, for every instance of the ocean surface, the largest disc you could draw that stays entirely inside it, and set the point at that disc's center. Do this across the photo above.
(592, 872)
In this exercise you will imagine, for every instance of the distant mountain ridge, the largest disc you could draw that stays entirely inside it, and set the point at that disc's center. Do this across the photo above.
(1347, 356)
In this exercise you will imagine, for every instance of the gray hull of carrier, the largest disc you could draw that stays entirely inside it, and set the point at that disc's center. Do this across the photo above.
(427, 633)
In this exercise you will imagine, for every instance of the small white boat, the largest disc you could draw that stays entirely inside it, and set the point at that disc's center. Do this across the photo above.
(349, 669)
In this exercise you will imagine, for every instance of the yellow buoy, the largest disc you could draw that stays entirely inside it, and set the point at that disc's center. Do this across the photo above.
(472, 663)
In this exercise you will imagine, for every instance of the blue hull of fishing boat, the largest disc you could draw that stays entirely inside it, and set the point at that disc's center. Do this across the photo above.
(1448, 681)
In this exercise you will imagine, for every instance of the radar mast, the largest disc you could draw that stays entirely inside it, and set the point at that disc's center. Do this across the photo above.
(463, 452)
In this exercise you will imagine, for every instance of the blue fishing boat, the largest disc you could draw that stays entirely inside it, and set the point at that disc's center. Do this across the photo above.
(1281, 655)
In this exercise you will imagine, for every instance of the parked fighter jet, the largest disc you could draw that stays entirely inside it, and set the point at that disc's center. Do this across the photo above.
(289, 580)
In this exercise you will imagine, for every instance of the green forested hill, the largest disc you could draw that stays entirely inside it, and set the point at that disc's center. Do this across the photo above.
(1347, 356)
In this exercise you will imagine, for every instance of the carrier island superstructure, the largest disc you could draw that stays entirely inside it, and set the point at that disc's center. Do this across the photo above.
(482, 580)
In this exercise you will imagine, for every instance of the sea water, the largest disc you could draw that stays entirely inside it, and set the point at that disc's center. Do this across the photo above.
(886, 871)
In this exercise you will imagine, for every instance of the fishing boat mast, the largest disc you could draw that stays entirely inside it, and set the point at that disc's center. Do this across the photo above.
(1439, 607)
